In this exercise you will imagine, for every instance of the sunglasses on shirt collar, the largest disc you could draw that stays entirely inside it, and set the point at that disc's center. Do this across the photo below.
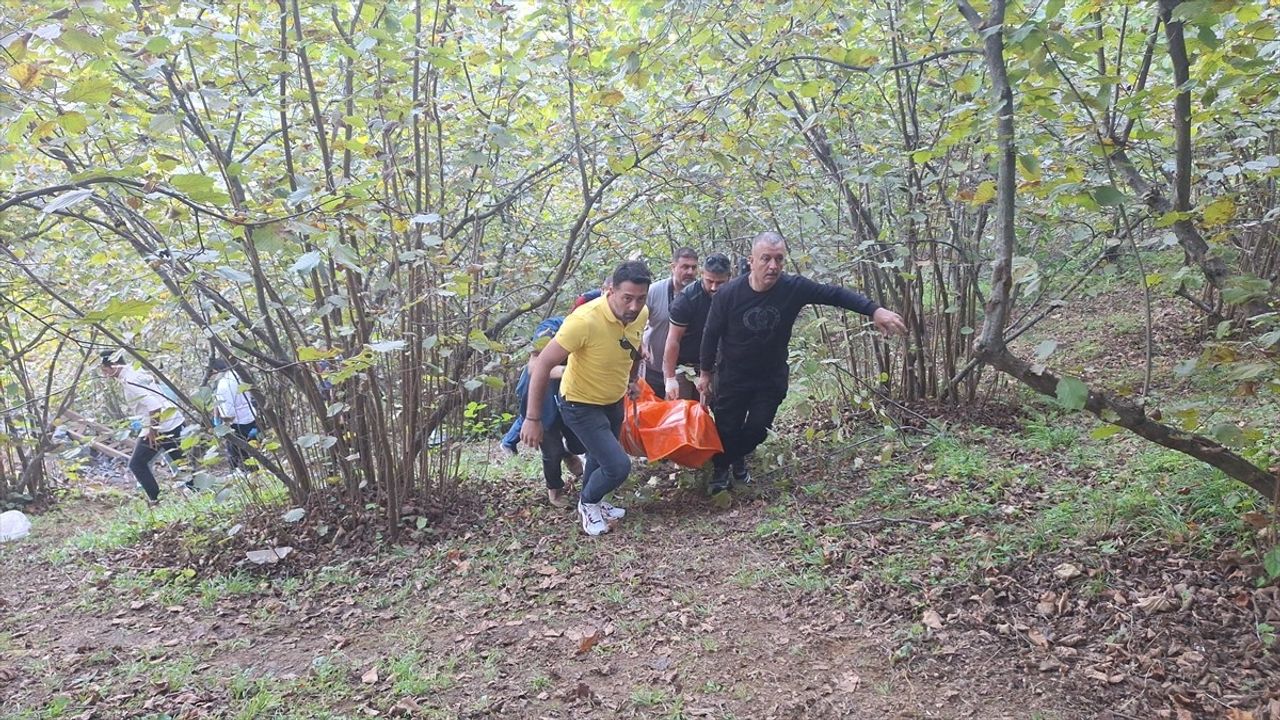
(626, 345)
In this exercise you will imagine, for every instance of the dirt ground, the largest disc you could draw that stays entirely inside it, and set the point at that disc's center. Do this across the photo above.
(677, 613)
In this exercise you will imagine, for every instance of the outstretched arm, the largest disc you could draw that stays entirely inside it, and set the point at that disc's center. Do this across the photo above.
(886, 321)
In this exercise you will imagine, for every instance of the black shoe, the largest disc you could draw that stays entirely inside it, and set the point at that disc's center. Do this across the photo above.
(741, 475)
(719, 481)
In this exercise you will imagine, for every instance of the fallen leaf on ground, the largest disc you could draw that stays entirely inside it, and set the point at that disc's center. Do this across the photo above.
(1066, 571)
(1037, 638)
(587, 638)
(1157, 603)
(270, 556)
(407, 707)
(931, 619)
(370, 676)
(848, 682)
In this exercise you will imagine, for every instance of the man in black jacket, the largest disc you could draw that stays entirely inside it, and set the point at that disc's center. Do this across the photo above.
(744, 345)
(688, 314)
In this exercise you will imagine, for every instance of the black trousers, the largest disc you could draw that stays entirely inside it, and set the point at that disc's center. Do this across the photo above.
(558, 442)
(744, 410)
(655, 380)
(236, 453)
(144, 453)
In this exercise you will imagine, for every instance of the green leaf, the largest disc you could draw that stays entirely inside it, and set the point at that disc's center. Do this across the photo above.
(1045, 349)
(1271, 563)
(1105, 431)
(310, 354)
(1250, 371)
(163, 123)
(1241, 289)
(91, 90)
(1219, 211)
(1108, 195)
(1072, 393)
(157, 45)
(1228, 434)
(1171, 217)
(120, 309)
(80, 41)
(268, 239)
(1268, 339)
(73, 122)
(192, 185)
(966, 85)
(985, 193)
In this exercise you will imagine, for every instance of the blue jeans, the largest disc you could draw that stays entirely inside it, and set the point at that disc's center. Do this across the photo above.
(512, 438)
(597, 427)
(550, 410)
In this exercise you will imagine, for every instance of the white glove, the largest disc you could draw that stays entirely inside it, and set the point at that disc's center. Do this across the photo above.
(673, 389)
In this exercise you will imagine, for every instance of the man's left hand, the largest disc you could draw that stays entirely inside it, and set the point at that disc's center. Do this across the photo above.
(889, 322)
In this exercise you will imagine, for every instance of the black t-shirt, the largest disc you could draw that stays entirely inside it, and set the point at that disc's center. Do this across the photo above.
(689, 311)
(747, 332)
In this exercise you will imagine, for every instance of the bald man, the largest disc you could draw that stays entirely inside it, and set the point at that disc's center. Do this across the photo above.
(744, 347)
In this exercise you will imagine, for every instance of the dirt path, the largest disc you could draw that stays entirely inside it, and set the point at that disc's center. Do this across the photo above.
(680, 612)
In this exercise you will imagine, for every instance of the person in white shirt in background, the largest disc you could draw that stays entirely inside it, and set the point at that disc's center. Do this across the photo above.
(234, 406)
(160, 420)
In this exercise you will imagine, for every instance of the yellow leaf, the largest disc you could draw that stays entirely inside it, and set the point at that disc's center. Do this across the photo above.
(73, 122)
(44, 130)
(985, 193)
(966, 85)
(1219, 211)
(609, 98)
(27, 75)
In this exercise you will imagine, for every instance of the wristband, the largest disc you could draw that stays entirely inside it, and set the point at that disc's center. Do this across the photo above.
(529, 419)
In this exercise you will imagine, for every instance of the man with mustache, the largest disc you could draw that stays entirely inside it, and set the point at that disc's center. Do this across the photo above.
(601, 342)
(745, 344)
(684, 269)
(688, 318)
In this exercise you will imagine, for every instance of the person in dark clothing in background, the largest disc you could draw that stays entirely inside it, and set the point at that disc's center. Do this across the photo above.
(744, 346)
(688, 316)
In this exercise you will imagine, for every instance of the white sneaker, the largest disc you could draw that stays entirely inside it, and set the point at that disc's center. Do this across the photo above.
(593, 522)
(610, 512)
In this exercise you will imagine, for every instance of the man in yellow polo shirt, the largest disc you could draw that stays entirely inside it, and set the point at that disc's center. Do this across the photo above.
(601, 341)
